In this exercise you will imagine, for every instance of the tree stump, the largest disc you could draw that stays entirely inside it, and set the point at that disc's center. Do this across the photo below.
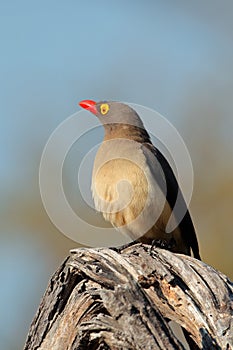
(107, 299)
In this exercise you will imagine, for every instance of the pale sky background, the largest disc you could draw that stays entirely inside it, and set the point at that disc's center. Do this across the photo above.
(173, 56)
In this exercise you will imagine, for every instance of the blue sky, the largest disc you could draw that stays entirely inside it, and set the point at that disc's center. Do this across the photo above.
(54, 54)
(172, 56)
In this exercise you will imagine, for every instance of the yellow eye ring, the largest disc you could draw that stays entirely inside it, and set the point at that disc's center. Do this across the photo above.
(104, 108)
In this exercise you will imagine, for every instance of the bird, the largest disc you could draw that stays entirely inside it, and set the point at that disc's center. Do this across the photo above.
(133, 184)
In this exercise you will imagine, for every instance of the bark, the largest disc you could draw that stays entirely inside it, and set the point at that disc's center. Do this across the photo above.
(106, 299)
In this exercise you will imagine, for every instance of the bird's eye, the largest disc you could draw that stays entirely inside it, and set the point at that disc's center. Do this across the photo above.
(104, 108)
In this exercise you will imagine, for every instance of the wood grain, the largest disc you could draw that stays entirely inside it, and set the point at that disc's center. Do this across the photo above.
(106, 299)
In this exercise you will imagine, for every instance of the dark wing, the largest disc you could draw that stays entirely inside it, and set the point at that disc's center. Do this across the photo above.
(172, 189)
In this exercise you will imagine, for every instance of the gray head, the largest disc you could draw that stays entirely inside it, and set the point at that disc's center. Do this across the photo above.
(111, 112)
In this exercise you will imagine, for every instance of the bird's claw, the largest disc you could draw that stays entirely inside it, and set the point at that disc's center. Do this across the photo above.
(162, 244)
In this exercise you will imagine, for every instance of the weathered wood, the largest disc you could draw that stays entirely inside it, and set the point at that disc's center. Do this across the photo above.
(102, 299)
